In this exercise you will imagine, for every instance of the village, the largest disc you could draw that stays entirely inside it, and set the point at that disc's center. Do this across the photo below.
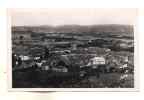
(71, 60)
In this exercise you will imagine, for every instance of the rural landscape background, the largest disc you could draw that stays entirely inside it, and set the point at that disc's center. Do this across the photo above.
(35, 47)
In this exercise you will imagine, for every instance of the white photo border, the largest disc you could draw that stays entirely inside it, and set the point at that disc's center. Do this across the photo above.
(136, 66)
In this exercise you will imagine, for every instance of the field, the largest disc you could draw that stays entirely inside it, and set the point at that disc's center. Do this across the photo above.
(109, 80)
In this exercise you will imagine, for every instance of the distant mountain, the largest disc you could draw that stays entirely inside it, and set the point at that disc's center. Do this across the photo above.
(110, 28)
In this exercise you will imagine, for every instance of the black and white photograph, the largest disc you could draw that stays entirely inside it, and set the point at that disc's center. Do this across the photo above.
(72, 48)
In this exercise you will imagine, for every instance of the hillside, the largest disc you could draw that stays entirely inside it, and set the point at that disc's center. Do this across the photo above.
(99, 29)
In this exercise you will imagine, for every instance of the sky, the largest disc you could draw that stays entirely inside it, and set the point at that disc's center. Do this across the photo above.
(70, 16)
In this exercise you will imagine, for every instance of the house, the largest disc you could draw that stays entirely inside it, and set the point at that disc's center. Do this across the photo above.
(97, 61)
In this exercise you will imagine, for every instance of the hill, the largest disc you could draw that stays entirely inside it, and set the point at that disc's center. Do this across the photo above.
(78, 29)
